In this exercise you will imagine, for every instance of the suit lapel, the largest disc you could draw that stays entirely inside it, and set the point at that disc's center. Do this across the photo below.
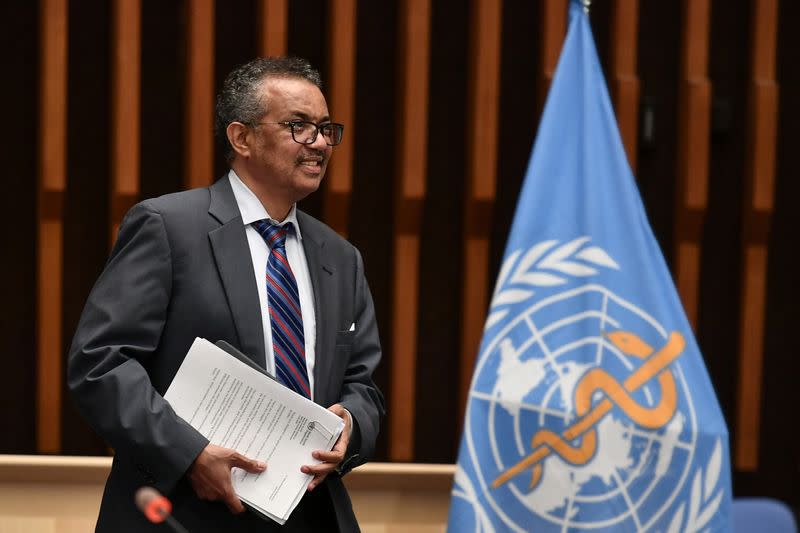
(321, 273)
(235, 266)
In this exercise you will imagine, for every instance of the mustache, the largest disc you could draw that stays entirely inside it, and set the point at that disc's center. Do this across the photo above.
(312, 154)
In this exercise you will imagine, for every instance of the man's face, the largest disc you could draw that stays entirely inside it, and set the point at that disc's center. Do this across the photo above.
(279, 163)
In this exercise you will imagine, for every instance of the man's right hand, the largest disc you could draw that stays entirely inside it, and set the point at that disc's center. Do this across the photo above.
(210, 475)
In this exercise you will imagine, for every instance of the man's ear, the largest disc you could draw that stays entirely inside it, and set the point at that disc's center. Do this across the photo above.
(238, 137)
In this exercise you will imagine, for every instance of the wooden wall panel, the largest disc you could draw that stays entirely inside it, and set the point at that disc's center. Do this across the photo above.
(308, 33)
(553, 31)
(421, 86)
(125, 118)
(693, 152)
(52, 183)
(781, 366)
(756, 216)
(341, 103)
(163, 97)
(273, 25)
(20, 55)
(309, 39)
(372, 200)
(440, 277)
(659, 69)
(718, 311)
(86, 200)
(412, 135)
(624, 77)
(521, 71)
(199, 137)
(236, 41)
(483, 97)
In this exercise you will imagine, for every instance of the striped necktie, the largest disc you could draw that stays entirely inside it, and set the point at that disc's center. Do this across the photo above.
(288, 340)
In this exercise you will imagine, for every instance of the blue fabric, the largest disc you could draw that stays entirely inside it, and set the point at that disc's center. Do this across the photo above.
(590, 406)
(286, 318)
(763, 515)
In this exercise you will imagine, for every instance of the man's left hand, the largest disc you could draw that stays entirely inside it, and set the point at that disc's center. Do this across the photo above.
(332, 459)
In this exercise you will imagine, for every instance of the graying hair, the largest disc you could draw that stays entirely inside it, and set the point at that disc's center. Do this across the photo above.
(239, 101)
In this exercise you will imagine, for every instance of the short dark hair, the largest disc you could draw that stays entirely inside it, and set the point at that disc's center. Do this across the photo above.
(239, 101)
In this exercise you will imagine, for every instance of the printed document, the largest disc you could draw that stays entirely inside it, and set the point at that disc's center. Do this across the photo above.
(237, 406)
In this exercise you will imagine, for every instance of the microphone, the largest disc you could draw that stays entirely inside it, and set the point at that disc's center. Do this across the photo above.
(157, 508)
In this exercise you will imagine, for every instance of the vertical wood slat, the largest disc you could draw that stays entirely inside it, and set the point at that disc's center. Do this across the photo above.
(273, 27)
(554, 28)
(483, 110)
(199, 147)
(341, 102)
(625, 85)
(693, 152)
(757, 214)
(51, 187)
(412, 123)
(125, 116)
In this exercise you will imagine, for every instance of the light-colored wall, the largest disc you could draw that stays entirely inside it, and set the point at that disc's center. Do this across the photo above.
(54, 494)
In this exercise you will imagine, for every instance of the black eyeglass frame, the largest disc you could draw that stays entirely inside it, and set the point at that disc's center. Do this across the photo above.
(317, 130)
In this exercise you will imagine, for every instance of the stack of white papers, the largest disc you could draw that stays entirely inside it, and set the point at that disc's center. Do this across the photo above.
(237, 406)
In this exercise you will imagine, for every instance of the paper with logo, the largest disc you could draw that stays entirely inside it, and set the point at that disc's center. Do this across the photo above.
(590, 408)
(236, 406)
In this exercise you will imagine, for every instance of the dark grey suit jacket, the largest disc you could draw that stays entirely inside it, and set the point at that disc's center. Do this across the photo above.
(180, 269)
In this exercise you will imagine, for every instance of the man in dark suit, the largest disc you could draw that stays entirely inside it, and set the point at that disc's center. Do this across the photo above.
(200, 263)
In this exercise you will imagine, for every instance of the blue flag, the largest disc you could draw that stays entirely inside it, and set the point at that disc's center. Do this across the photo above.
(590, 408)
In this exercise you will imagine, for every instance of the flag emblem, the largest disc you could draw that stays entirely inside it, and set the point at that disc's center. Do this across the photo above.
(582, 402)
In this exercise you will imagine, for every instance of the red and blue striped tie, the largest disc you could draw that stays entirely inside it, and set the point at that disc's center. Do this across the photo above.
(288, 340)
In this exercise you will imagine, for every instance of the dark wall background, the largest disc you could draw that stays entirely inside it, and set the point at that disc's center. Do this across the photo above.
(86, 234)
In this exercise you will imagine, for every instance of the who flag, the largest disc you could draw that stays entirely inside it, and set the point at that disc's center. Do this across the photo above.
(590, 408)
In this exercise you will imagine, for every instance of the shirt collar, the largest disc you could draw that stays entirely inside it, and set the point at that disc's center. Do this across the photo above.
(252, 209)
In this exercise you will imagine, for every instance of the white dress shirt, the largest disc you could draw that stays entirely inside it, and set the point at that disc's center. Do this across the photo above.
(252, 210)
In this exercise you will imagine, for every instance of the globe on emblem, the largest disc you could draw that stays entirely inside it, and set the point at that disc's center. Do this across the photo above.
(525, 381)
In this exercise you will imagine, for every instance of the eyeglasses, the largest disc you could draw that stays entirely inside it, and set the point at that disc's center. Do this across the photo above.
(304, 132)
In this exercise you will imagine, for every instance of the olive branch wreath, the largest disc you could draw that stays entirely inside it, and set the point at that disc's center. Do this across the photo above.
(545, 264)
(701, 504)
(464, 489)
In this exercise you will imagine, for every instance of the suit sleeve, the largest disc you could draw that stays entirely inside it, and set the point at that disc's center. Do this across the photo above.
(118, 331)
(360, 395)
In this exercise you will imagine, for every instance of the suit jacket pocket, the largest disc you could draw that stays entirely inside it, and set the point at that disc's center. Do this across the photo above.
(345, 338)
